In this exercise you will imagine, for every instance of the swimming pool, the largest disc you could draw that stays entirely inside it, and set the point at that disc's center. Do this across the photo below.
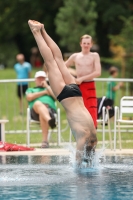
(54, 178)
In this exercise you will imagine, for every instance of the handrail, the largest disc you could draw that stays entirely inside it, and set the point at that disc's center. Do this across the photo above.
(95, 79)
(114, 79)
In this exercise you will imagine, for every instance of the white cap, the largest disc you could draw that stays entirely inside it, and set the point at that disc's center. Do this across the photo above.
(40, 74)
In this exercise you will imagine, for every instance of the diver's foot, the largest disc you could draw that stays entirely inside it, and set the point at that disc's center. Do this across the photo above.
(34, 25)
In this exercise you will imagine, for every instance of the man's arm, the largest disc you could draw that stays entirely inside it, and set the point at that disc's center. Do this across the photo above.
(32, 96)
(70, 62)
(96, 72)
(49, 90)
(29, 74)
(29, 70)
(117, 87)
(72, 72)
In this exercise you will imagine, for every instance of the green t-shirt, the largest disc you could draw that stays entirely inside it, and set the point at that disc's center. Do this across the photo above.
(46, 99)
(111, 94)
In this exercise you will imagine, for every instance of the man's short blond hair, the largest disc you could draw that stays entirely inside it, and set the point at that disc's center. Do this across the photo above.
(86, 37)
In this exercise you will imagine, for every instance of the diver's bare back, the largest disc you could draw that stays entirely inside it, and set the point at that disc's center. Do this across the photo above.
(84, 63)
(78, 116)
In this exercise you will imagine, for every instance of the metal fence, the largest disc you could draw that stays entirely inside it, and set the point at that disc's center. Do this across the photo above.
(9, 107)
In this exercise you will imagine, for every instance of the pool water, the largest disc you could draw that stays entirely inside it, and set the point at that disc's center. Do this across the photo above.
(55, 178)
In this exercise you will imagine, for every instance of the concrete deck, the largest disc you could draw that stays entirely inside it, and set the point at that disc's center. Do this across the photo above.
(63, 152)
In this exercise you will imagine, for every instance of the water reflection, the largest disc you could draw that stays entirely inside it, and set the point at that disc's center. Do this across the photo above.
(56, 160)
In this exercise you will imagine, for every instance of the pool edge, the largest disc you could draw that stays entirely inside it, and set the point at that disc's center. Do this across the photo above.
(65, 152)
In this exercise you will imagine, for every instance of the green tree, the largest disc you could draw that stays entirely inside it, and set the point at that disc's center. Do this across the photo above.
(127, 42)
(109, 22)
(127, 35)
(125, 39)
(75, 19)
(13, 22)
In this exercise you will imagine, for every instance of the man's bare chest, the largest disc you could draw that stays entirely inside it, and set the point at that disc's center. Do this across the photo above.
(84, 61)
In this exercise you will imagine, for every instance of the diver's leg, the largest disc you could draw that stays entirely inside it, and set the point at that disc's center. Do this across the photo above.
(55, 77)
(68, 78)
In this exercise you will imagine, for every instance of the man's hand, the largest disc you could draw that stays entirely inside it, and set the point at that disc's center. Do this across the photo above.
(78, 81)
(46, 92)
(44, 84)
(121, 84)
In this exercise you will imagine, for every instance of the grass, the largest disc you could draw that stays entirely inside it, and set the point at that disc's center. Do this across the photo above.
(9, 108)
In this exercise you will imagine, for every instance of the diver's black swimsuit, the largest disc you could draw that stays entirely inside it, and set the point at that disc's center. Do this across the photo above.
(71, 90)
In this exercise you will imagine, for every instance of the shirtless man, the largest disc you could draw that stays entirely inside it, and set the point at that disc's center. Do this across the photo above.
(87, 66)
(67, 92)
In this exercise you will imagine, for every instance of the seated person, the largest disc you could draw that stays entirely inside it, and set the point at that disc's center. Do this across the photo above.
(41, 101)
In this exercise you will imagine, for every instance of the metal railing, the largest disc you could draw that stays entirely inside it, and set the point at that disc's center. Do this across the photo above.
(9, 104)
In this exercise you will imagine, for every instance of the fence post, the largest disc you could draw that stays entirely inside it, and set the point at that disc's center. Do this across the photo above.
(2, 129)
